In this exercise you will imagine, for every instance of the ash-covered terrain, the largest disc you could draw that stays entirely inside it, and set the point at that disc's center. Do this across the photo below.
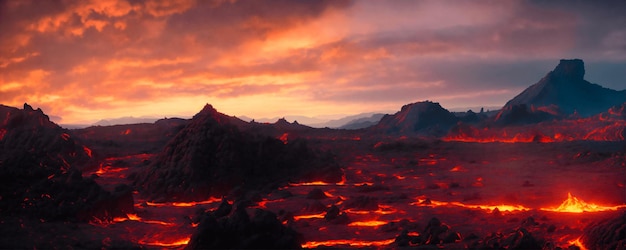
(547, 171)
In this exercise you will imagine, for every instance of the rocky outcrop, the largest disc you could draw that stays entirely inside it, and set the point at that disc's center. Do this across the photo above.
(229, 228)
(38, 172)
(421, 118)
(211, 157)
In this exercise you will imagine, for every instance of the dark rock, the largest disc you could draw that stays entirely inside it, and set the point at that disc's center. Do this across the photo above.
(565, 89)
(422, 118)
(362, 203)
(239, 231)
(316, 194)
(211, 157)
(606, 234)
(39, 164)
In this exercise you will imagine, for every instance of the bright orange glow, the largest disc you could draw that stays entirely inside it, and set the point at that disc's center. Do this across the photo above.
(574, 205)
(309, 216)
(185, 204)
(109, 170)
(502, 207)
(577, 242)
(174, 243)
(597, 128)
(320, 183)
(134, 217)
(352, 243)
(371, 223)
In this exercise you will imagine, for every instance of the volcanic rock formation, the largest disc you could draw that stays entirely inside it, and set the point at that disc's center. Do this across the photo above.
(566, 89)
(38, 172)
(229, 228)
(607, 234)
(421, 118)
(211, 157)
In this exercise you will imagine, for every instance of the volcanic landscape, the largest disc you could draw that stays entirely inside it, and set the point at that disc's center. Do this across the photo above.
(547, 171)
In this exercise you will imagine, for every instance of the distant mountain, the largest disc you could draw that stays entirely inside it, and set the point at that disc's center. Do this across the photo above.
(362, 122)
(564, 91)
(421, 118)
(124, 120)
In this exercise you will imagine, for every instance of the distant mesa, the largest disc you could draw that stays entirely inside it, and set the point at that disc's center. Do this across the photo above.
(564, 92)
(420, 118)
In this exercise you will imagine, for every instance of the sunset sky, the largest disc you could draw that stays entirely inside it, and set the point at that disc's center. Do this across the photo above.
(82, 61)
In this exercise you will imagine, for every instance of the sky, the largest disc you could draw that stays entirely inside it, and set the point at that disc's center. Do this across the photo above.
(82, 61)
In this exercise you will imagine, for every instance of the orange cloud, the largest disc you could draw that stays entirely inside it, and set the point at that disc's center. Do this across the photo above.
(88, 60)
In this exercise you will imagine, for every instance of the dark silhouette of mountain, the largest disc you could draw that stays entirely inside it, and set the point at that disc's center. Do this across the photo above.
(131, 138)
(124, 120)
(363, 122)
(420, 118)
(39, 175)
(212, 157)
(564, 91)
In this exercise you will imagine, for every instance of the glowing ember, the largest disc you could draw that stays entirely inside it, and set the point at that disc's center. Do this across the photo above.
(574, 205)
(87, 151)
(352, 243)
(371, 223)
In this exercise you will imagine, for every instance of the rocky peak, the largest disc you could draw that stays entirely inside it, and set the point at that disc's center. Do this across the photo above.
(572, 69)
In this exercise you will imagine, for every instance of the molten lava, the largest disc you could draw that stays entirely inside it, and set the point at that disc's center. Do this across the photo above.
(574, 205)
(184, 204)
(351, 243)
(370, 223)
(173, 243)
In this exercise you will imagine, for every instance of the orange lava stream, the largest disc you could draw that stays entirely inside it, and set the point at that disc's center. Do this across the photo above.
(185, 204)
(502, 207)
(371, 223)
(175, 243)
(574, 205)
(577, 242)
(352, 243)
(134, 217)
(309, 216)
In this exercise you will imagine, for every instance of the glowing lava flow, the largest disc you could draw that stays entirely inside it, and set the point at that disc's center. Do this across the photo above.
(320, 183)
(309, 216)
(134, 217)
(352, 243)
(578, 243)
(574, 205)
(182, 204)
(508, 208)
(371, 223)
(175, 243)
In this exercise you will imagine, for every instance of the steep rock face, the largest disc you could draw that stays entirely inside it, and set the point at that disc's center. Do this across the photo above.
(211, 157)
(421, 118)
(38, 173)
(565, 88)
